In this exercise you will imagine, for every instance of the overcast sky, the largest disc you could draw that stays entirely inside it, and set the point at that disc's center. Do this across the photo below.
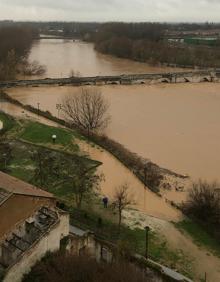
(111, 10)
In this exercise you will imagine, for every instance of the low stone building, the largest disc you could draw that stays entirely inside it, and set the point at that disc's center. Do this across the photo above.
(30, 226)
(86, 243)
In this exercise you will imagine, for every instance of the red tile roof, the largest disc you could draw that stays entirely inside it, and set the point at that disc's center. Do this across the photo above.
(16, 186)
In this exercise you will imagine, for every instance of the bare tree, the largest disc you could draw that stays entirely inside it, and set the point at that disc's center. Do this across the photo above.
(33, 68)
(203, 204)
(44, 161)
(122, 200)
(80, 180)
(87, 110)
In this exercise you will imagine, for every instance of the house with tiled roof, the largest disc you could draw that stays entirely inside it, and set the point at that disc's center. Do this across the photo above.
(30, 226)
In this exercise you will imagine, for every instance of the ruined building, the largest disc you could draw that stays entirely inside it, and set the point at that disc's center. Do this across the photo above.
(30, 226)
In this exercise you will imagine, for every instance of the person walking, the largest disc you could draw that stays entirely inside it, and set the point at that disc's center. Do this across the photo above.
(105, 202)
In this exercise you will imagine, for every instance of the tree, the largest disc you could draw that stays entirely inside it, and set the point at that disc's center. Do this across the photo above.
(45, 167)
(79, 179)
(121, 200)
(5, 154)
(203, 204)
(15, 43)
(87, 110)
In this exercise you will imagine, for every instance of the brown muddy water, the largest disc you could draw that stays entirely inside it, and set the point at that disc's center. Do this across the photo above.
(176, 126)
(114, 172)
(61, 56)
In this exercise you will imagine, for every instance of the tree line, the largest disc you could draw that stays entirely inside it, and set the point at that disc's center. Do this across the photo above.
(15, 44)
(146, 42)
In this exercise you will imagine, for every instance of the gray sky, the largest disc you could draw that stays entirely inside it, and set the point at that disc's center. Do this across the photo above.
(107, 10)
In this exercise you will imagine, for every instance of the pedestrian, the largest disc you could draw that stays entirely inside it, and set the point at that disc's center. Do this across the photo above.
(105, 202)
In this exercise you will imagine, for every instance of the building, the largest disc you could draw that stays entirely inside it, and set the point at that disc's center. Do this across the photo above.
(30, 226)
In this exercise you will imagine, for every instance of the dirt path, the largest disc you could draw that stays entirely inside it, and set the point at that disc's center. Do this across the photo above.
(202, 260)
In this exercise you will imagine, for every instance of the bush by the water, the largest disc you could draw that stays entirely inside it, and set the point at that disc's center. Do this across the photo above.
(203, 205)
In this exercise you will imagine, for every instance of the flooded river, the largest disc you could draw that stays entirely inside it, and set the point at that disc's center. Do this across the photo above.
(175, 125)
(115, 174)
(62, 56)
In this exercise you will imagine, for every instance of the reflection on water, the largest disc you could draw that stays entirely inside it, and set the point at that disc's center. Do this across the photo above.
(176, 126)
(61, 56)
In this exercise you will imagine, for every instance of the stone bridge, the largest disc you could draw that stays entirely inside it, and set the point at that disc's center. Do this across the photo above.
(130, 79)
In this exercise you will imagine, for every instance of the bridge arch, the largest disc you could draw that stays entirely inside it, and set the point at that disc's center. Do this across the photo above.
(186, 79)
(205, 79)
(139, 82)
(113, 82)
(88, 83)
(164, 80)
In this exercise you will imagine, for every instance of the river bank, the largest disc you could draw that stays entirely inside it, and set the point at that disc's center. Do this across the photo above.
(174, 125)
(155, 178)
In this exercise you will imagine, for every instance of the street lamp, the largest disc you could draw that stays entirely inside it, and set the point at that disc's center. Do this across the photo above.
(147, 229)
(54, 137)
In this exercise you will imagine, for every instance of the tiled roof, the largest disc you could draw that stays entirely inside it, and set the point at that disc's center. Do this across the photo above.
(12, 185)
(4, 195)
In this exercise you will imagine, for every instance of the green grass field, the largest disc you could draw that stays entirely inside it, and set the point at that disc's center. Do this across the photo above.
(8, 122)
(200, 236)
(39, 134)
(27, 137)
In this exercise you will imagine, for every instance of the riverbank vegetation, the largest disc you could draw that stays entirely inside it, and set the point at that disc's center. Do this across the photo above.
(15, 44)
(147, 43)
(203, 206)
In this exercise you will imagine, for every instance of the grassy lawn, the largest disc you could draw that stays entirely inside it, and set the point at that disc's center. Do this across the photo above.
(22, 165)
(200, 236)
(8, 122)
(42, 134)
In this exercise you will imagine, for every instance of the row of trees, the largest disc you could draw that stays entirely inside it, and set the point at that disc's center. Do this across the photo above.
(145, 43)
(15, 44)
